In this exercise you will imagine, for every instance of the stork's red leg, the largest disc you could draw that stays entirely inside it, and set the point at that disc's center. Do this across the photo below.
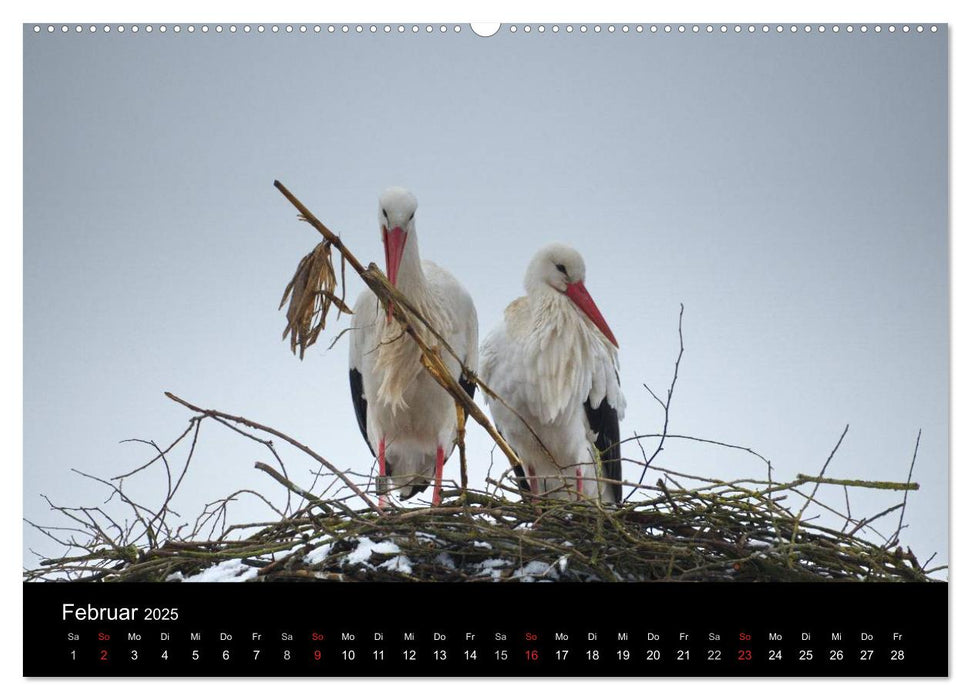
(579, 483)
(439, 467)
(533, 483)
(382, 472)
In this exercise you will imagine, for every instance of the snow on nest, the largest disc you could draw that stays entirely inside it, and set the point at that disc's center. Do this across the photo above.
(366, 547)
(433, 538)
(229, 570)
(399, 563)
(493, 567)
(392, 560)
(316, 556)
(536, 570)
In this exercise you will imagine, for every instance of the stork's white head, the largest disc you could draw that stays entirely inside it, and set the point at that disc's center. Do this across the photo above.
(556, 265)
(396, 214)
(561, 268)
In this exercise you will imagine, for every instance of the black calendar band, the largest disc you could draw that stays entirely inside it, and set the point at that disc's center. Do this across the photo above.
(488, 629)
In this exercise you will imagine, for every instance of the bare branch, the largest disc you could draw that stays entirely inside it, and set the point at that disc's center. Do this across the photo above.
(665, 404)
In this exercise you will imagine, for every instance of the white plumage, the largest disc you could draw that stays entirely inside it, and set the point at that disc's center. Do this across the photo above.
(408, 420)
(553, 360)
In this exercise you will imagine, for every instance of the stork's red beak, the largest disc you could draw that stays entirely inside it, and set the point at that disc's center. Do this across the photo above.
(581, 297)
(394, 250)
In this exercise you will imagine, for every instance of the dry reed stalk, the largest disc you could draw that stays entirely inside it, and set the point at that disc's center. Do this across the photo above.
(311, 294)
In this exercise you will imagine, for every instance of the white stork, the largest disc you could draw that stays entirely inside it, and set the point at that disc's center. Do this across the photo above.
(553, 360)
(402, 411)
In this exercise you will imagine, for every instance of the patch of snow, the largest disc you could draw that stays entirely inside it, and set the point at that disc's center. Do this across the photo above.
(490, 563)
(534, 570)
(177, 576)
(493, 567)
(366, 547)
(230, 570)
(316, 556)
(484, 545)
(562, 563)
(399, 563)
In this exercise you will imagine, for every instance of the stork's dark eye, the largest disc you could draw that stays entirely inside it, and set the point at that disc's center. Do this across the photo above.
(561, 268)
(385, 212)
(412, 216)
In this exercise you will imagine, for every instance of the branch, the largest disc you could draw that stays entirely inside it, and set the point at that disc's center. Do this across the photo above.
(665, 404)
(900, 523)
(283, 436)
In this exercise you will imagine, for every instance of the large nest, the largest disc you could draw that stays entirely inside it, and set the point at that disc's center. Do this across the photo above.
(680, 528)
(672, 526)
(722, 533)
(681, 536)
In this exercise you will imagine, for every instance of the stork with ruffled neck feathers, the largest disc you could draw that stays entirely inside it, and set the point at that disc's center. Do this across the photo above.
(553, 361)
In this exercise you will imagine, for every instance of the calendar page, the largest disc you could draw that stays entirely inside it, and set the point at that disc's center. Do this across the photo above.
(547, 349)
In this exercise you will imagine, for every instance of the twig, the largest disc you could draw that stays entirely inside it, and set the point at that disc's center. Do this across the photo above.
(309, 497)
(880, 485)
(283, 436)
(812, 496)
(910, 474)
(665, 404)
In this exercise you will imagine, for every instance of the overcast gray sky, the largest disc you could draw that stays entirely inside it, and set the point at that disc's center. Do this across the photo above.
(790, 190)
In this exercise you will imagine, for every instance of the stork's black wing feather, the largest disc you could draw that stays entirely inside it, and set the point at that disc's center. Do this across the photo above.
(360, 405)
(469, 386)
(518, 468)
(603, 421)
(521, 478)
(415, 489)
(360, 410)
